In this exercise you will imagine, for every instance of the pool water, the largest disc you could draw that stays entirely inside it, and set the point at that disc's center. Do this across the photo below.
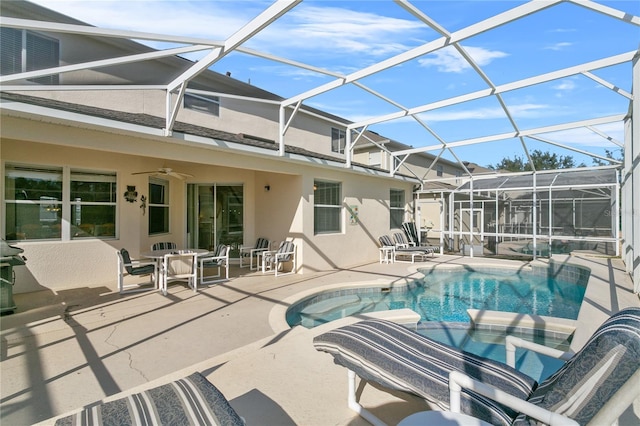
(446, 297)
(491, 345)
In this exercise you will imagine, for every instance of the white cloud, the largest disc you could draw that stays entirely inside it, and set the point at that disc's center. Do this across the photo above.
(320, 31)
(517, 111)
(559, 46)
(339, 31)
(448, 59)
(565, 85)
(587, 138)
(213, 20)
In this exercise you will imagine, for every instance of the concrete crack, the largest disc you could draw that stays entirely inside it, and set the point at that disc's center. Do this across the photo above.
(114, 329)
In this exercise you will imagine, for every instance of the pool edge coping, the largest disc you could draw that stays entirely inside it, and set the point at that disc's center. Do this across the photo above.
(277, 315)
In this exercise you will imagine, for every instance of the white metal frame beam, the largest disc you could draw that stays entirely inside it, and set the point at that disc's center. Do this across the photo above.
(470, 31)
(268, 16)
(520, 84)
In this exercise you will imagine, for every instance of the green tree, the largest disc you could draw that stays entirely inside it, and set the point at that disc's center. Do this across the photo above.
(609, 154)
(541, 161)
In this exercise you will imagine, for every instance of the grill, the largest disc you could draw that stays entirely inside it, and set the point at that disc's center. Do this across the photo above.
(10, 256)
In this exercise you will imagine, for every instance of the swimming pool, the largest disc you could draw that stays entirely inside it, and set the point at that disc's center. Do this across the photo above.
(446, 294)
(491, 345)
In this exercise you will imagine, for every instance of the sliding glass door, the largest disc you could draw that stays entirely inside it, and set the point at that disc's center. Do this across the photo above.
(215, 215)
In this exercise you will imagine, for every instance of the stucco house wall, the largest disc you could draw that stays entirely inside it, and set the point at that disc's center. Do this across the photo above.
(285, 211)
(48, 134)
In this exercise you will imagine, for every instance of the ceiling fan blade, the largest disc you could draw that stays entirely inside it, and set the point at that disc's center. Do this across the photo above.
(179, 175)
(166, 171)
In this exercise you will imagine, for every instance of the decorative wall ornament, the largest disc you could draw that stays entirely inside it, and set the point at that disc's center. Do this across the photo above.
(131, 195)
(143, 204)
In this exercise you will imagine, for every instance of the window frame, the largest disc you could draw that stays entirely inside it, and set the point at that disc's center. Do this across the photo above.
(28, 59)
(55, 209)
(338, 140)
(163, 206)
(329, 209)
(205, 100)
(98, 229)
(439, 170)
(397, 209)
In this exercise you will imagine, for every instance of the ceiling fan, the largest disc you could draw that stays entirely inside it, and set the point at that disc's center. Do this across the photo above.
(167, 171)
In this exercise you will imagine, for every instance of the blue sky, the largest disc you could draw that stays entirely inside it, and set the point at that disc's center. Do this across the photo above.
(345, 36)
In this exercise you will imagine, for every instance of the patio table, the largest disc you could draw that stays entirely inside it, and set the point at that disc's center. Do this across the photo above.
(158, 257)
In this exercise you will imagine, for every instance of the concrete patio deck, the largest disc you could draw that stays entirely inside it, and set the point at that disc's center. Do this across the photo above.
(62, 351)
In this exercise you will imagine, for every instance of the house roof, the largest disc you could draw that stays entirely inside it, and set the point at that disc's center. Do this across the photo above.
(204, 81)
(158, 123)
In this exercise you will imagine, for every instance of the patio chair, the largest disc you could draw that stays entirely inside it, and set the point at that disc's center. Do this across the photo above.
(218, 259)
(262, 244)
(131, 267)
(274, 260)
(179, 267)
(165, 245)
(595, 385)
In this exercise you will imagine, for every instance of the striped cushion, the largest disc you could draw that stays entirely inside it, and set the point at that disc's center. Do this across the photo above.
(400, 238)
(385, 241)
(192, 400)
(581, 387)
(262, 243)
(164, 246)
(400, 359)
(218, 259)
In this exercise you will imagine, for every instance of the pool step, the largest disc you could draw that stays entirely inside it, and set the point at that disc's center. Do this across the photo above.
(323, 310)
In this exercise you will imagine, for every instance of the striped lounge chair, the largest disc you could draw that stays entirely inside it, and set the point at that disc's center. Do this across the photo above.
(411, 233)
(594, 386)
(391, 252)
(192, 400)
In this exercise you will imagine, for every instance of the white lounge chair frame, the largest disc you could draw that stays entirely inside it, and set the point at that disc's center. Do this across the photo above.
(179, 267)
(219, 259)
(252, 253)
(273, 260)
(391, 252)
(620, 330)
(135, 263)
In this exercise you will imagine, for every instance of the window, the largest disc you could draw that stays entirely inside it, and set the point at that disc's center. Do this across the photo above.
(396, 208)
(93, 204)
(375, 158)
(338, 140)
(203, 103)
(327, 207)
(24, 51)
(36, 203)
(158, 206)
(439, 170)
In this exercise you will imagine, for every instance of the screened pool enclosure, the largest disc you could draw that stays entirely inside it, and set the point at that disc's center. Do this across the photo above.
(524, 214)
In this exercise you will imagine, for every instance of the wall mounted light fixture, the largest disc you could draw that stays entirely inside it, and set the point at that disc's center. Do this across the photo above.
(267, 188)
